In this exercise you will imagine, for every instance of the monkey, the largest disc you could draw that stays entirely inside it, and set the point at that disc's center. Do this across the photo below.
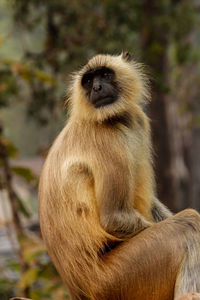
(118, 153)
(97, 202)
(122, 168)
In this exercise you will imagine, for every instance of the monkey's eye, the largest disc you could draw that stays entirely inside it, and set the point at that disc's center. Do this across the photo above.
(107, 75)
(87, 81)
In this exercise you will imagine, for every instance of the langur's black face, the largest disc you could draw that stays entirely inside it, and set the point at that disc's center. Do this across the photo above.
(100, 86)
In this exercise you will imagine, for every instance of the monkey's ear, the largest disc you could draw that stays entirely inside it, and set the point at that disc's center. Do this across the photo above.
(126, 56)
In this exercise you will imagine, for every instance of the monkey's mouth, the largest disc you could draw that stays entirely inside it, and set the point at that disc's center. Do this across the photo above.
(100, 102)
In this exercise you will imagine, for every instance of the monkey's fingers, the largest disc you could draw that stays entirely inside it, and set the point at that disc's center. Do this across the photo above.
(191, 296)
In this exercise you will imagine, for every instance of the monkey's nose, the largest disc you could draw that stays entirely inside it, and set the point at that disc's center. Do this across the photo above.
(97, 87)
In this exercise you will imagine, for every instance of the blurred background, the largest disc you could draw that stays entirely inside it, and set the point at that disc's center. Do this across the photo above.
(41, 42)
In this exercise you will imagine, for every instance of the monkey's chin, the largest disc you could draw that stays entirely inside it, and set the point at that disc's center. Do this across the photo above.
(103, 102)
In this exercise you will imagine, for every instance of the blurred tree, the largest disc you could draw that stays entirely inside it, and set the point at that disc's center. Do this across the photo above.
(30, 273)
(167, 26)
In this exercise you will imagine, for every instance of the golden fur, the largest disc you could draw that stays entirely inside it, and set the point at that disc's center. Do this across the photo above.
(131, 145)
(97, 189)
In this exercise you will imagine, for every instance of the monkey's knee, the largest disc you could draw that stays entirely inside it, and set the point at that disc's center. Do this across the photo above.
(190, 213)
(188, 216)
(79, 170)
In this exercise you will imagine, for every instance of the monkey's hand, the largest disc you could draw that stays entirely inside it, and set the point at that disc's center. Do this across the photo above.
(114, 200)
(159, 211)
(124, 224)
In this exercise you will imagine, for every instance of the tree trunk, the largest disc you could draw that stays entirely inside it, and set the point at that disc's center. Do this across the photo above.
(171, 172)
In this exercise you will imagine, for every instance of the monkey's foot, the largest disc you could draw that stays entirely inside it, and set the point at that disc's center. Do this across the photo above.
(191, 296)
(19, 298)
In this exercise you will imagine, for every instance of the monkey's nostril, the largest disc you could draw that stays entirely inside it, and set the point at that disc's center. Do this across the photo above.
(97, 87)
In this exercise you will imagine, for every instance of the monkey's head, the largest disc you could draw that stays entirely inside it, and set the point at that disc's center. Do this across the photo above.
(107, 86)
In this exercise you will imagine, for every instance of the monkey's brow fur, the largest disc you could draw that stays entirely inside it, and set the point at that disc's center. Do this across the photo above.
(97, 191)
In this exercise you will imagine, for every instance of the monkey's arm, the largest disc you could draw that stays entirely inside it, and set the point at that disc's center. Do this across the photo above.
(159, 211)
(113, 194)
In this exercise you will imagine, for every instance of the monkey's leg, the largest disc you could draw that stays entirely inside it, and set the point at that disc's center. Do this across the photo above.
(188, 279)
(146, 266)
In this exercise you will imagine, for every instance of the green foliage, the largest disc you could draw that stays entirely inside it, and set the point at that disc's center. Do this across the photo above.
(185, 19)
(40, 278)
(28, 278)
(11, 149)
(22, 208)
(7, 84)
(40, 84)
(6, 286)
(25, 173)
